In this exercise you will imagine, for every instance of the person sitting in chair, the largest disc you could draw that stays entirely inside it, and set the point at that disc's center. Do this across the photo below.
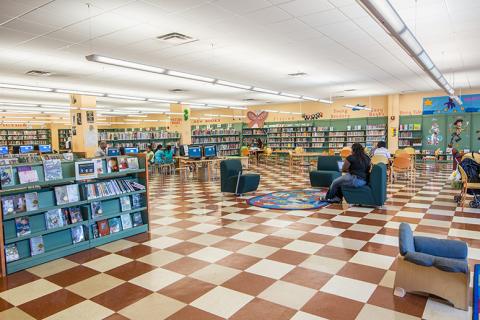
(356, 167)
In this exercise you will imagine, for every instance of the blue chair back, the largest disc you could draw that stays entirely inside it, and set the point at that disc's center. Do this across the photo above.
(328, 163)
(378, 182)
(229, 168)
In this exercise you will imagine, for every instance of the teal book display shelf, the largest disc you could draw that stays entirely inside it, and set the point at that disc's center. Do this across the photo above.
(60, 241)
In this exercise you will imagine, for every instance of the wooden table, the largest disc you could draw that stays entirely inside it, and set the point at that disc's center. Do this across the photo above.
(196, 163)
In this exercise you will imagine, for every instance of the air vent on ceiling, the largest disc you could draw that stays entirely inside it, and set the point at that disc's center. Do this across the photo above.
(349, 90)
(250, 99)
(297, 74)
(176, 38)
(38, 73)
(337, 97)
(177, 90)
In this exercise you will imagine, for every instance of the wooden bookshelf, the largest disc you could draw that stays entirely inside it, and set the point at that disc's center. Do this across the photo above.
(17, 137)
(63, 135)
(227, 140)
(138, 137)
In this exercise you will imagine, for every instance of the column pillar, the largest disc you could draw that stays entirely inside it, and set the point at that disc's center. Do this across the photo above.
(180, 124)
(393, 121)
(84, 124)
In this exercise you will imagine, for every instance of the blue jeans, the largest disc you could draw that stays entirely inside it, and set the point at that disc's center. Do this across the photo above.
(347, 180)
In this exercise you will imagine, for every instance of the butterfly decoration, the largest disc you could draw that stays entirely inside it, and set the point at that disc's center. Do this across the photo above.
(314, 116)
(256, 119)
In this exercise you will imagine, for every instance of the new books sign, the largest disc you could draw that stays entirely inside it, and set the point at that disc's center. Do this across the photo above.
(446, 105)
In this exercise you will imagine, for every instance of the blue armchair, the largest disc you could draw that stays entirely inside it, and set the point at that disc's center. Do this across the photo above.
(327, 171)
(434, 266)
(374, 193)
(232, 180)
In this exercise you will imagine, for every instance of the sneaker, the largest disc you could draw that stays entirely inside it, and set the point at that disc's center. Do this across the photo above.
(335, 200)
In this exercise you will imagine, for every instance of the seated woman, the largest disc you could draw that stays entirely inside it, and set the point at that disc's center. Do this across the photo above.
(356, 168)
(159, 155)
(168, 155)
(150, 154)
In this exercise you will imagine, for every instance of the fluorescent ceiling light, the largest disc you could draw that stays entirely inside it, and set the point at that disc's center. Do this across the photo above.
(22, 87)
(411, 41)
(265, 90)
(238, 108)
(189, 76)
(56, 107)
(85, 93)
(194, 104)
(137, 115)
(309, 98)
(387, 12)
(296, 113)
(124, 63)
(161, 100)
(233, 84)
(211, 115)
(132, 120)
(217, 106)
(296, 96)
(15, 104)
(284, 112)
(150, 120)
(436, 73)
(426, 61)
(119, 96)
(325, 101)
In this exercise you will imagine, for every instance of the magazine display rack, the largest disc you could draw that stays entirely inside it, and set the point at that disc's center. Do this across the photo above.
(47, 219)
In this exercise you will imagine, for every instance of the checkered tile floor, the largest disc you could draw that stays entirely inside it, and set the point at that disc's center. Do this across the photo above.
(212, 256)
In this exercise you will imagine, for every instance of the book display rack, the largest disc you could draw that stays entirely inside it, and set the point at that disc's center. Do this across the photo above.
(14, 137)
(227, 140)
(63, 135)
(57, 207)
(251, 135)
(141, 138)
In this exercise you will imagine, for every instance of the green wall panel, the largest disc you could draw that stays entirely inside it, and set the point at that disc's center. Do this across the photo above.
(474, 132)
(434, 132)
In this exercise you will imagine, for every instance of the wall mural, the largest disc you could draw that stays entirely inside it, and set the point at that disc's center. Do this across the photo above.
(256, 120)
(434, 135)
(314, 116)
(457, 128)
(446, 105)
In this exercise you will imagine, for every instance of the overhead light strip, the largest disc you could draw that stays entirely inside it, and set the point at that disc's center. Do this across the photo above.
(387, 17)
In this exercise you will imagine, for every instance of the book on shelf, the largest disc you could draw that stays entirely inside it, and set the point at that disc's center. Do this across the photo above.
(67, 194)
(78, 234)
(125, 203)
(36, 245)
(115, 225)
(137, 201)
(133, 163)
(55, 219)
(111, 188)
(85, 170)
(96, 207)
(6, 176)
(13, 204)
(103, 229)
(112, 165)
(95, 232)
(122, 163)
(137, 219)
(31, 201)
(126, 221)
(52, 169)
(11, 252)
(75, 215)
(98, 165)
(26, 174)
(22, 226)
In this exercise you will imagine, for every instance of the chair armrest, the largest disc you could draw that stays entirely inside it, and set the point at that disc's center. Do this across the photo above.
(419, 258)
(453, 249)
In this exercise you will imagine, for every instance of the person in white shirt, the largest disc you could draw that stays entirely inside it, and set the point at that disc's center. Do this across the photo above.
(382, 150)
(102, 149)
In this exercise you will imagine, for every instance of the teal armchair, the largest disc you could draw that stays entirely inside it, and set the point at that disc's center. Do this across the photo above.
(233, 180)
(374, 193)
(327, 171)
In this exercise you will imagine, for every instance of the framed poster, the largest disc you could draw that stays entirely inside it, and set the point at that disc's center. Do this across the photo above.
(90, 117)
(79, 119)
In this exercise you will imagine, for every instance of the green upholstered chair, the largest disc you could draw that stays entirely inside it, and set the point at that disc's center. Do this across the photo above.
(232, 180)
(327, 171)
(374, 193)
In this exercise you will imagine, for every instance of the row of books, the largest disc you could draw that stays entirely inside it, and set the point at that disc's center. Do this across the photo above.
(24, 132)
(52, 170)
(12, 142)
(410, 126)
(215, 139)
(407, 134)
(111, 188)
(229, 146)
(253, 132)
(210, 132)
(138, 135)
(113, 225)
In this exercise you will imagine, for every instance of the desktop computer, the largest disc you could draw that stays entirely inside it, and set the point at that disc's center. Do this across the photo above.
(26, 149)
(210, 151)
(45, 148)
(132, 150)
(111, 152)
(194, 152)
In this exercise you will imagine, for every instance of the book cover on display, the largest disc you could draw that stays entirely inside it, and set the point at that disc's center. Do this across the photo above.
(126, 221)
(112, 165)
(97, 210)
(98, 166)
(137, 219)
(26, 174)
(95, 231)
(11, 252)
(125, 203)
(66, 215)
(6, 176)
(52, 169)
(132, 163)
(136, 201)
(75, 215)
(103, 229)
(8, 205)
(73, 193)
(22, 225)
(77, 234)
(19, 203)
(37, 246)
(31, 201)
(115, 225)
(54, 219)
(122, 163)
(61, 194)
(85, 170)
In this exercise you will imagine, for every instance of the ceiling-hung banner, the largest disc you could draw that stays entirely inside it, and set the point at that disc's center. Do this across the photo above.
(445, 104)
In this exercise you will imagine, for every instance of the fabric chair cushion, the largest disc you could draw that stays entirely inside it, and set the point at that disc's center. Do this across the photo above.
(328, 163)
(419, 258)
(441, 247)
(362, 195)
(321, 178)
(451, 265)
(405, 239)
(248, 182)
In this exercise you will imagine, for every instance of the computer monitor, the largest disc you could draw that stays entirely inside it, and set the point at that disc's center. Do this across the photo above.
(3, 150)
(194, 152)
(340, 165)
(45, 148)
(210, 151)
(184, 150)
(26, 149)
(133, 150)
(112, 152)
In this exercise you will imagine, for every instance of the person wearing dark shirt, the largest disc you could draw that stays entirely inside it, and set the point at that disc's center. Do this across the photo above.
(356, 168)
(259, 143)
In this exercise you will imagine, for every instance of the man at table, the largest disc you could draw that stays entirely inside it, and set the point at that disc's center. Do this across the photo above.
(102, 149)
(382, 150)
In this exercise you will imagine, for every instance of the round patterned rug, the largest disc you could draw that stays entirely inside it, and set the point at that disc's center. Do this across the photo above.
(291, 200)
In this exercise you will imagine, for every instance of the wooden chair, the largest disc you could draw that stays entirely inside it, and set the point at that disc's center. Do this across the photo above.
(411, 151)
(465, 186)
(401, 164)
(266, 156)
(381, 159)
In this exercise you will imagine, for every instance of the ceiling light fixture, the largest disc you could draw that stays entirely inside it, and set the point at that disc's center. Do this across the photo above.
(233, 84)
(85, 93)
(386, 15)
(189, 76)
(265, 90)
(161, 100)
(137, 115)
(309, 98)
(271, 111)
(238, 108)
(119, 96)
(325, 101)
(124, 63)
(22, 87)
(296, 96)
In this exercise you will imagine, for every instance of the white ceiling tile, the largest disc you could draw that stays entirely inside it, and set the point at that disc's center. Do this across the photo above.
(268, 15)
(244, 6)
(304, 7)
(11, 37)
(324, 18)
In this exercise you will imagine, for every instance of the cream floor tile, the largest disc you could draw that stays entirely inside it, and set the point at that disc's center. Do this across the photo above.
(210, 254)
(153, 306)
(369, 312)
(234, 216)
(347, 219)
(164, 230)
(329, 231)
(270, 268)
(289, 233)
(300, 315)
(86, 310)
(258, 250)
(323, 264)
(388, 279)
(167, 206)
(156, 279)
(372, 260)
(203, 227)
(349, 288)
(267, 215)
(408, 214)
(330, 211)
(202, 218)
(439, 310)
(215, 274)
(14, 314)
(360, 209)
(303, 246)
(376, 216)
(118, 245)
(365, 228)
(417, 205)
(277, 223)
(52, 267)
(288, 294)
(106, 263)
(199, 211)
(384, 239)
(249, 236)
(163, 242)
(435, 223)
(165, 221)
(241, 225)
(206, 239)
(29, 291)
(222, 302)
(95, 285)
(441, 212)
(347, 243)
(466, 220)
(464, 233)
(314, 221)
(231, 210)
(160, 258)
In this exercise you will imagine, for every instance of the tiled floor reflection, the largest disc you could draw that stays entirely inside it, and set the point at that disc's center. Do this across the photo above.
(212, 256)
